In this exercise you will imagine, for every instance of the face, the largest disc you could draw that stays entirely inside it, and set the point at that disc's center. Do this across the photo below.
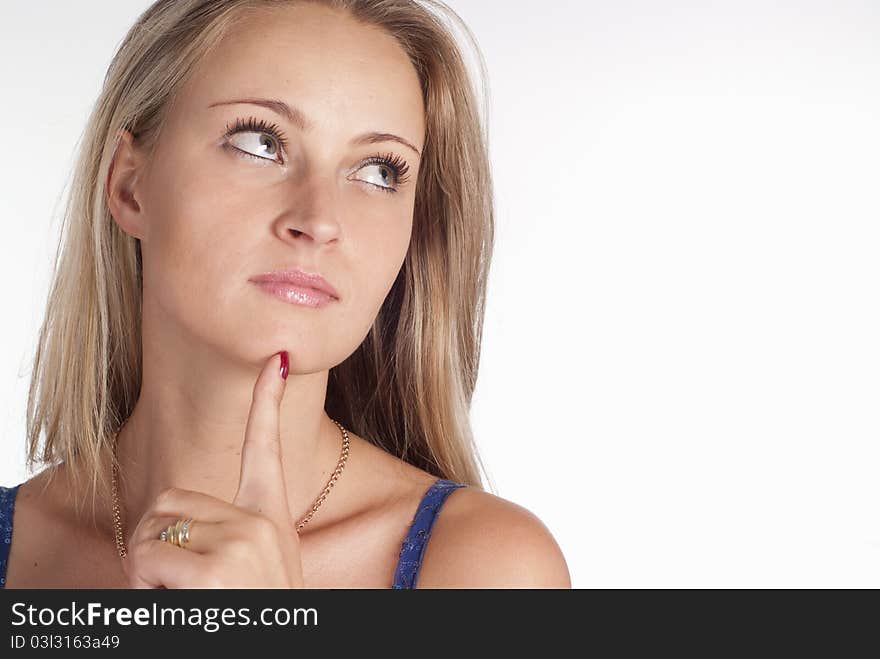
(236, 190)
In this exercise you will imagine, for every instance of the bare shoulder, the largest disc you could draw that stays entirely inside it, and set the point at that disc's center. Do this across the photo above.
(36, 525)
(480, 540)
(50, 547)
(38, 497)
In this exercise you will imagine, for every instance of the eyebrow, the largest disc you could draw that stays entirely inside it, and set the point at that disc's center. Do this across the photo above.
(298, 119)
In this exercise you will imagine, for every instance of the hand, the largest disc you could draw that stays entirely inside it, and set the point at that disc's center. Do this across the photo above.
(249, 543)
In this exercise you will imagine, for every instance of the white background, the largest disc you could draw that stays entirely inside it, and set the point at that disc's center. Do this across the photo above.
(680, 373)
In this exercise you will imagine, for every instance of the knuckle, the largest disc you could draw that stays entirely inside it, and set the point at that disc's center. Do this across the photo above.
(167, 495)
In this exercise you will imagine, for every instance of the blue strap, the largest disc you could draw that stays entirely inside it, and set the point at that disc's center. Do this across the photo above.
(413, 547)
(7, 508)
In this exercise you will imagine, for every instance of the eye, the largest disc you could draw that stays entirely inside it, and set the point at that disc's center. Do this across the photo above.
(256, 139)
(388, 172)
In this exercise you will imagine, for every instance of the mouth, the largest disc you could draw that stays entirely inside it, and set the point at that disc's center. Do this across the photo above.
(305, 296)
(298, 278)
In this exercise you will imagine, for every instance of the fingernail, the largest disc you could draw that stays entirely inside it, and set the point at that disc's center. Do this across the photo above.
(285, 364)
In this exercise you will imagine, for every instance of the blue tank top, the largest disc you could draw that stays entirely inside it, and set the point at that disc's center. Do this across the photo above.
(411, 552)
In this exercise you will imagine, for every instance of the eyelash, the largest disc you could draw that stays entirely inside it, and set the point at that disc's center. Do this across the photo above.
(393, 161)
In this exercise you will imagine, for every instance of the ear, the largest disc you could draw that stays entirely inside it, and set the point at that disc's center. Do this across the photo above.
(122, 191)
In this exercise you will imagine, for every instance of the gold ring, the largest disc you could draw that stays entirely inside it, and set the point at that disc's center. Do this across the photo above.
(168, 534)
(178, 533)
(184, 539)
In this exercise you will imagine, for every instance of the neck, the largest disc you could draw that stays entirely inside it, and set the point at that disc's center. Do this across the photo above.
(188, 427)
(146, 469)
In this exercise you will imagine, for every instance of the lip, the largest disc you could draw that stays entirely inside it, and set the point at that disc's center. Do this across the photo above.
(299, 279)
(297, 287)
(293, 294)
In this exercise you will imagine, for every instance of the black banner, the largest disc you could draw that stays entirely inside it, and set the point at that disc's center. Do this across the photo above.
(449, 621)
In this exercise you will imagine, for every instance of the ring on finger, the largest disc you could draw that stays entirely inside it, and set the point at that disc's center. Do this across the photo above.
(178, 533)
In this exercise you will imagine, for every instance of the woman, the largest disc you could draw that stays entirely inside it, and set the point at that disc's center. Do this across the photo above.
(263, 336)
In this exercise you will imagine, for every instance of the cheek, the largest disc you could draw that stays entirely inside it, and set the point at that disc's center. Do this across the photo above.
(194, 253)
(381, 248)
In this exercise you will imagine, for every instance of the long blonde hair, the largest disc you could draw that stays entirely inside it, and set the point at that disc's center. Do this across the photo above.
(408, 387)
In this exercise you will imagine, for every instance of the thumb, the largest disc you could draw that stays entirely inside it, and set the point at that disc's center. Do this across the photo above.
(261, 486)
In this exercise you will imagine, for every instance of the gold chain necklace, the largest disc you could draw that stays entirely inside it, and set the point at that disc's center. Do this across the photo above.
(117, 517)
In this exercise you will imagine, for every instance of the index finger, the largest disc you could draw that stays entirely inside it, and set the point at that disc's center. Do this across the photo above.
(261, 486)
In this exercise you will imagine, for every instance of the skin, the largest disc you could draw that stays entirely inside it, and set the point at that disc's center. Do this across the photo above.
(217, 435)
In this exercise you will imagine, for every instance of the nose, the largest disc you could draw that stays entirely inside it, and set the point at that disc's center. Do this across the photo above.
(314, 213)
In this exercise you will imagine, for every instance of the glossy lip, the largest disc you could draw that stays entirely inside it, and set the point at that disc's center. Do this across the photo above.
(293, 294)
(297, 279)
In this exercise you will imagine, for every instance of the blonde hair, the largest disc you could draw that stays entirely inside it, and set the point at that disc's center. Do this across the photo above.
(408, 387)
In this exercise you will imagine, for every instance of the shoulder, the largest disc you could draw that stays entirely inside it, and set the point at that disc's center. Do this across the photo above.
(480, 540)
(45, 510)
(37, 505)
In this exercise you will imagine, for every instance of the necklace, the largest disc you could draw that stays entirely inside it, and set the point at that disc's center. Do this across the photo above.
(117, 517)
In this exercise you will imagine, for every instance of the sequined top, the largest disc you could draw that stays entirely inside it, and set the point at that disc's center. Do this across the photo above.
(411, 552)
(407, 572)
(7, 505)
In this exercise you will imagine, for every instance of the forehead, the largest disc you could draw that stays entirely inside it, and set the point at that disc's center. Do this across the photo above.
(341, 74)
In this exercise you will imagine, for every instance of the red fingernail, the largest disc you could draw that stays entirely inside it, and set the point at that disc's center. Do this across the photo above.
(285, 364)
